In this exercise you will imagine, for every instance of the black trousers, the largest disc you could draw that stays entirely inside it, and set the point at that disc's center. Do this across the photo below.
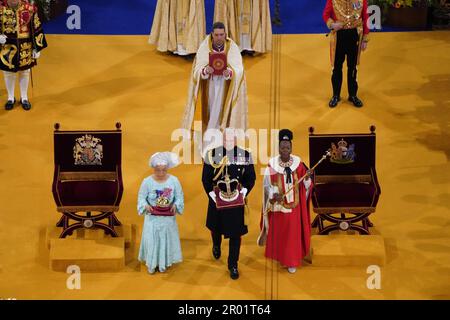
(347, 44)
(233, 250)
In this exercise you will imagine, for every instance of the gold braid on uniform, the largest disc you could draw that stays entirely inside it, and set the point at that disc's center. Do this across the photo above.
(221, 165)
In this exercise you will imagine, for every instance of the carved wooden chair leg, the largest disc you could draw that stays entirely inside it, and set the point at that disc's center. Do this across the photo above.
(108, 230)
(320, 223)
(62, 222)
(365, 225)
(70, 229)
(315, 222)
(113, 221)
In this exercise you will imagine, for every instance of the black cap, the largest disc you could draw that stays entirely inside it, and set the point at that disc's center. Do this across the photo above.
(285, 135)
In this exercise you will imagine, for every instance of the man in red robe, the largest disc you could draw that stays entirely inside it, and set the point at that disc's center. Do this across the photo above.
(347, 20)
(286, 223)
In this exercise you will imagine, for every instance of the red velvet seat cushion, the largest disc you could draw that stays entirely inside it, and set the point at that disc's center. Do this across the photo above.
(87, 193)
(343, 195)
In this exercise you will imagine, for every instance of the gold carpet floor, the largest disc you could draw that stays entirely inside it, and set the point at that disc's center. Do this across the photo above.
(91, 82)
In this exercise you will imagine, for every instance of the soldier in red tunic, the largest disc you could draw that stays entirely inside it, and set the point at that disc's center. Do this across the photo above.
(21, 40)
(347, 20)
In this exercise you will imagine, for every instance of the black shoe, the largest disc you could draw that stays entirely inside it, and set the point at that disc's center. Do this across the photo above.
(250, 53)
(356, 102)
(189, 57)
(216, 252)
(26, 105)
(334, 101)
(234, 273)
(9, 104)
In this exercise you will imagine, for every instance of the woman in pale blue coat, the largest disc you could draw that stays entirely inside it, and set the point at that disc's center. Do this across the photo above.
(160, 199)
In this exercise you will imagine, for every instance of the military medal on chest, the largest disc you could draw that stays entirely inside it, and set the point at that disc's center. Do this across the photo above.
(356, 4)
(348, 10)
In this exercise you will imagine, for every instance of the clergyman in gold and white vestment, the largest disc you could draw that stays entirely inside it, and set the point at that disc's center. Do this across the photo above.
(219, 101)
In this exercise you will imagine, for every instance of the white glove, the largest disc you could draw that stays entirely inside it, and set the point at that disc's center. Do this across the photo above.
(2, 39)
(213, 196)
(36, 54)
(244, 192)
(273, 190)
(307, 183)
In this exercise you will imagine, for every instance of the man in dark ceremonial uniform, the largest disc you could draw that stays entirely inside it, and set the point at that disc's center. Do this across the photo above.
(230, 169)
(21, 40)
